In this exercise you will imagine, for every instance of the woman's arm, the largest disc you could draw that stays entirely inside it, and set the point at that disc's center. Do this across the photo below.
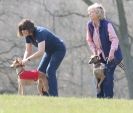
(28, 50)
(114, 41)
(40, 52)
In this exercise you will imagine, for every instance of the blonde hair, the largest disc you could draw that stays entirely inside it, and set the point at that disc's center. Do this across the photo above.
(99, 9)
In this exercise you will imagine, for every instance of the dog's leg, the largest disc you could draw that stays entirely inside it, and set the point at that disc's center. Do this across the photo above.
(19, 86)
(100, 82)
(19, 89)
(40, 87)
(44, 83)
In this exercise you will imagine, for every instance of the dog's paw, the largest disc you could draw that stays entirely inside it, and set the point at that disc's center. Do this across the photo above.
(44, 93)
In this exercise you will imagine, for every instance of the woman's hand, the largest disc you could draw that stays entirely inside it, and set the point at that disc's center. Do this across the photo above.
(111, 55)
(24, 61)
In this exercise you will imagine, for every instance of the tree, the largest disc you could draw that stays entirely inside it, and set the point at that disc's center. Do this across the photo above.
(126, 46)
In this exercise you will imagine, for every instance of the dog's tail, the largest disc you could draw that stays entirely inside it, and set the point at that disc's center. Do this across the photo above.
(122, 66)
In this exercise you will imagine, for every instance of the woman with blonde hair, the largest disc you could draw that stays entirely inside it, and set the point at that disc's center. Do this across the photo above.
(103, 41)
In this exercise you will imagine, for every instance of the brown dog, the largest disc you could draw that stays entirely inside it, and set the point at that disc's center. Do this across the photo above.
(29, 77)
(98, 70)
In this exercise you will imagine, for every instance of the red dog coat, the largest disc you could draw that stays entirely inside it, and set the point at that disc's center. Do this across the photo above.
(29, 75)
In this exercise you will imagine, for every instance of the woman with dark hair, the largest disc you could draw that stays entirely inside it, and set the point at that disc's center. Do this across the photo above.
(49, 46)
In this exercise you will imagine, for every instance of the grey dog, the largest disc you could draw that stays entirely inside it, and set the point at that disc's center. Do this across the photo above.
(98, 70)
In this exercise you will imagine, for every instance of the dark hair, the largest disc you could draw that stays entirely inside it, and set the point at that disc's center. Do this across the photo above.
(25, 24)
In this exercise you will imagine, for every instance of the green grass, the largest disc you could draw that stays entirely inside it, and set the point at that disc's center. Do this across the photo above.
(38, 104)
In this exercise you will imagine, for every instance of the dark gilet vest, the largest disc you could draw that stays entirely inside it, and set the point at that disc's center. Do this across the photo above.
(104, 37)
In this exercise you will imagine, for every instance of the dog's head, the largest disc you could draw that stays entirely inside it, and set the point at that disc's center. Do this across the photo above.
(94, 59)
(16, 63)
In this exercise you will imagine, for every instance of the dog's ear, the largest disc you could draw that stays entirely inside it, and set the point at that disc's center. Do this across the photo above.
(17, 60)
(20, 60)
(11, 65)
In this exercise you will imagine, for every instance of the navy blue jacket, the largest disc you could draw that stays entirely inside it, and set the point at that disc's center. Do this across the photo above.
(104, 37)
(52, 42)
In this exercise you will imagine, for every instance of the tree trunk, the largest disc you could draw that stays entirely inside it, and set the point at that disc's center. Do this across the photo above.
(126, 47)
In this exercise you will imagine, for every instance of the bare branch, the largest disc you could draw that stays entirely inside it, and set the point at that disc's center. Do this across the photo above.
(68, 13)
(88, 2)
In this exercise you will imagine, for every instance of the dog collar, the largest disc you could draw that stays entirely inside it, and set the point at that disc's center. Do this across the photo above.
(20, 72)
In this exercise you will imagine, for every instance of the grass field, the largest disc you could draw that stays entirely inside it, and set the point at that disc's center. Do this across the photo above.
(38, 104)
